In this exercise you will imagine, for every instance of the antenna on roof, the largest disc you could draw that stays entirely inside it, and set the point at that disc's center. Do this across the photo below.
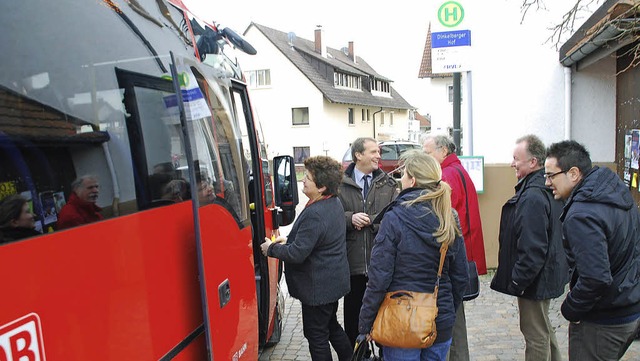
(292, 37)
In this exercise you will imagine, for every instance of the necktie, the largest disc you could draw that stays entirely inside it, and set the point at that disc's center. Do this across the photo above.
(365, 189)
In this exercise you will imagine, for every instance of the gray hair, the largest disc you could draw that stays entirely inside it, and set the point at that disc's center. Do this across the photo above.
(442, 141)
(535, 147)
(78, 181)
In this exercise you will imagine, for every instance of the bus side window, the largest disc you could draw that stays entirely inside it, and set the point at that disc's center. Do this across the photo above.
(157, 148)
(42, 151)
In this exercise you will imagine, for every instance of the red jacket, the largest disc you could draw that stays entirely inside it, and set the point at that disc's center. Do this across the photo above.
(473, 238)
(77, 212)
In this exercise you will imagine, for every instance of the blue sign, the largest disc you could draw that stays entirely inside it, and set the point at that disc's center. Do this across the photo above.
(448, 39)
(188, 95)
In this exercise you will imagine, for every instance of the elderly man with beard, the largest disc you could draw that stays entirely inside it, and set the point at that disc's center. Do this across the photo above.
(81, 207)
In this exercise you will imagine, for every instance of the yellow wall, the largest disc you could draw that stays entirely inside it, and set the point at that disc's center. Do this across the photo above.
(499, 180)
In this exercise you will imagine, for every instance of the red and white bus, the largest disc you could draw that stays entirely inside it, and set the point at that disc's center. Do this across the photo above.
(141, 96)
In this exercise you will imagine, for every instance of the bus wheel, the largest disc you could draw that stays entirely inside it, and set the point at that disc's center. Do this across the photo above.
(277, 328)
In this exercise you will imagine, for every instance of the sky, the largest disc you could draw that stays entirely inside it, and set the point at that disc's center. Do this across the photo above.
(390, 36)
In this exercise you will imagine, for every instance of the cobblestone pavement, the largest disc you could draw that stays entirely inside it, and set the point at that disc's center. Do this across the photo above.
(492, 326)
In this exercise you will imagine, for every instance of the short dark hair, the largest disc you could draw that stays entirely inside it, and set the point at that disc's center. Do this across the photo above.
(358, 146)
(570, 153)
(326, 172)
(535, 147)
(10, 209)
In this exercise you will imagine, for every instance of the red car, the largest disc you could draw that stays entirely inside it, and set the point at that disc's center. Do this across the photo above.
(390, 152)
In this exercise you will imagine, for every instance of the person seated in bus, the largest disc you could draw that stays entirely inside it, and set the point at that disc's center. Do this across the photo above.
(81, 207)
(177, 190)
(224, 189)
(206, 194)
(16, 220)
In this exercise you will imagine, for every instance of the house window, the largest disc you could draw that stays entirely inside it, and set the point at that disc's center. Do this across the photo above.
(351, 121)
(300, 154)
(258, 78)
(380, 86)
(347, 80)
(300, 116)
(368, 116)
(450, 90)
(364, 115)
(382, 118)
(391, 119)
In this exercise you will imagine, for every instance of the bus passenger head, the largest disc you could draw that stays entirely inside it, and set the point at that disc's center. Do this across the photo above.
(15, 212)
(86, 188)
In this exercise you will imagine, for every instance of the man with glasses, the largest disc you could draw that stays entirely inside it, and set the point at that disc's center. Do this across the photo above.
(364, 192)
(532, 264)
(464, 200)
(601, 228)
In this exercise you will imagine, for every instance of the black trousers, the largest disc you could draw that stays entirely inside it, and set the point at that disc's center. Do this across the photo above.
(352, 305)
(320, 326)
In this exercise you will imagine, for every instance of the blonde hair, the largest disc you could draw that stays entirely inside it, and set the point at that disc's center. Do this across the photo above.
(428, 175)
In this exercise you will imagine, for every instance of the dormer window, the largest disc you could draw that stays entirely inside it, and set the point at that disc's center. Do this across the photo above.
(380, 86)
(345, 80)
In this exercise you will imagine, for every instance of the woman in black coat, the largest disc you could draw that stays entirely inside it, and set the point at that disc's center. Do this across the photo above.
(315, 259)
(406, 254)
(16, 220)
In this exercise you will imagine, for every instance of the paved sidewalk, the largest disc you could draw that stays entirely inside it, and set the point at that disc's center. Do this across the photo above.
(492, 324)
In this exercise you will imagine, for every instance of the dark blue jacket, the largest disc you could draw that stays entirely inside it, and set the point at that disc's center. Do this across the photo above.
(601, 226)
(315, 255)
(406, 256)
(531, 261)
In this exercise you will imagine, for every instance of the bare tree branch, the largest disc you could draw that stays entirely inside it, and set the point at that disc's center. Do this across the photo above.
(627, 23)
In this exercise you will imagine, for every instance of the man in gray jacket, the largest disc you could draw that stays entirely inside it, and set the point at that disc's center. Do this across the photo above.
(532, 264)
(364, 192)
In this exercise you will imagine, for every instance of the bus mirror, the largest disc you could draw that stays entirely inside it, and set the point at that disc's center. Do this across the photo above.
(286, 188)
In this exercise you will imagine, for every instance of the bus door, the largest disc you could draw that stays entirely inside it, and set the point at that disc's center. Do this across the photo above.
(266, 269)
(196, 144)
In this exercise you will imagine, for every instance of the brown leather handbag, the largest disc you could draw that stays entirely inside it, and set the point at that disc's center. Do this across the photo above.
(407, 319)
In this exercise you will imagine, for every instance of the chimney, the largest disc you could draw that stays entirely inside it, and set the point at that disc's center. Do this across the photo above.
(320, 48)
(352, 52)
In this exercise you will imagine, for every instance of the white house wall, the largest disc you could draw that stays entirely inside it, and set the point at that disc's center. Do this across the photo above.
(289, 89)
(518, 86)
(593, 109)
(328, 132)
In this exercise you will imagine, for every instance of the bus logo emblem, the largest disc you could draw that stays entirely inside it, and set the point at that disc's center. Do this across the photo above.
(21, 339)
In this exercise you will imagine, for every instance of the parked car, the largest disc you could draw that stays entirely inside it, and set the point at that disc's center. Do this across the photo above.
(390, 152)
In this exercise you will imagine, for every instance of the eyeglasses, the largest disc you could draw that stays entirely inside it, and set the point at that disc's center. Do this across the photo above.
(550, 176)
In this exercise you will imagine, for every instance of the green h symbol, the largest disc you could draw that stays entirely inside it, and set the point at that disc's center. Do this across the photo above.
(450, 14)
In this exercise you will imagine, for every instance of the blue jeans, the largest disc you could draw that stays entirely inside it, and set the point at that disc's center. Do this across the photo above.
(437, 352)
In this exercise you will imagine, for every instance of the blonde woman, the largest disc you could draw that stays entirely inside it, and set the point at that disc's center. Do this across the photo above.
(406, 253)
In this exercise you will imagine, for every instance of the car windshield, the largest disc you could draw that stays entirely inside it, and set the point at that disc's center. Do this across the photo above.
(347, 156)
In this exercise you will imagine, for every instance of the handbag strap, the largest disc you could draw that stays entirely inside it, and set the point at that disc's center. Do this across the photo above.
(443, 252)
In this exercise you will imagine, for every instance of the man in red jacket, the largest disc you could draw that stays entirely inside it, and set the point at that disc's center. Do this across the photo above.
(465, 201)
(81, 207)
